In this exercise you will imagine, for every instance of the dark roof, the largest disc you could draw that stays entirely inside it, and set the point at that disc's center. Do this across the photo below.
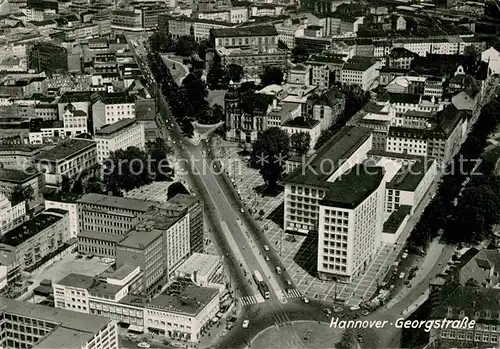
(332, 59)
(117, 126)
(353, 187)
(17, 176)
(65, 149)
(301, 122)
(265, 30)
(358, 64)
(407, 132)
(401, 52)
(116, 202)
(397, 217)
(447, 120)
(402, 98)
(329, 156)
(23, 232)
(409, 177)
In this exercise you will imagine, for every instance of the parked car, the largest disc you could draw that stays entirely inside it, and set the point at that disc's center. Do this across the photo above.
(278, 270)
(266, 247)
(404, 255)
(402, 275)
(245, 324)
(144, 345)
(365, 312)
(355, 307)
(306, 300)
(267, 258)
(328, 311)
(288, 282)
(242, 210)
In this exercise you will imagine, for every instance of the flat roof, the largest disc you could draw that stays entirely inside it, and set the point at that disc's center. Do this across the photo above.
(190, 301)
(66, 149)
(74, 327)
(411, 175)
(77, 281)
(116, 202)
(140, 238)
(28, 229)
(339, 147)
(18, 176)
(301, 122)
(263, 30)
(121, 273)
(397, 217)
(114, 238)
(117, 126)
(353, 187)
(202, 263)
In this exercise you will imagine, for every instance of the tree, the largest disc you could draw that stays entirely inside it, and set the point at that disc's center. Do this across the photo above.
(126, 170)
(21, 193)
(77, 187)
(94, 185)
(187, 128)
(300, 142)
(271, 76)
(160, 41)
(186, 46)
(65, 184)
(268, 154)
(176, 188)
(218, 113)
(196, 91)
(217, 77)
(299, 54)
(235, 72)
(158, 150)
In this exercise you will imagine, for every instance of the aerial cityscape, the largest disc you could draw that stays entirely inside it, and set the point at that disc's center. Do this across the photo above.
(271, 174)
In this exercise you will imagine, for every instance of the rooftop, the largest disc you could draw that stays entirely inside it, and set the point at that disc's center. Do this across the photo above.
(65, 149)
(301, 122)
(116, 202)
(358, 64)
(140, 239)
(264, 30)
(353, 187)
(190, 301)
(397, 217)
(200, 262)
(75, 328)
(77, 281)
(97, 235)
(115, 127)
(411, 175)
(28, 229)
(17, 176)
(340, 147)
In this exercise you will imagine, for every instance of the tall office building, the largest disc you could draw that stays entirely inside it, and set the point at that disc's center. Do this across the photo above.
(351, 215)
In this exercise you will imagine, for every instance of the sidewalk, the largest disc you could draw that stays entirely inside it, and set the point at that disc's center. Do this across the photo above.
(210, 339)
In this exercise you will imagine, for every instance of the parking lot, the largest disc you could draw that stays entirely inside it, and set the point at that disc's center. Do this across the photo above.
(67, 265)
(298, 252)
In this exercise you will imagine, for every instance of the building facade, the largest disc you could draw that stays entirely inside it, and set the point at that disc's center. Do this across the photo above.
(120, 135)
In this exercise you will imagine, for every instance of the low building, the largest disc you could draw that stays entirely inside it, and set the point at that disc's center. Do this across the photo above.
(69, 158)
(119, 136)
(300, 124)
(39, 326)
(18, 156)
(202, 269)
(27, 244)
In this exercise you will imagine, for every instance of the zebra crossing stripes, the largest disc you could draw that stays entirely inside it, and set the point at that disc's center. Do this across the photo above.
(248, 300)
(293, 293)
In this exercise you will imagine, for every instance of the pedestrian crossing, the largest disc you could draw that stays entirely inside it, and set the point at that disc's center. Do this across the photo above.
(249, 300)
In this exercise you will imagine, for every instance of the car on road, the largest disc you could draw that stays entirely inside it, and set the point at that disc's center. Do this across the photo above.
(288, 282)
(355, 307)
(338, 309)
(245, 324)
(306, 300)
(402, 275)
(404, 255)
(360, 339)
(278, 270)
(144, 345)
(131, 336)
(267, 258)
(242, 210)
(223, 333)
(327, 311)
(365, 312)
(266, 247)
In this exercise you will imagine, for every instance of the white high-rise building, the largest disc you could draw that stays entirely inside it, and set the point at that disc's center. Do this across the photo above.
(352, 216)
(11, 216)
(120, 135)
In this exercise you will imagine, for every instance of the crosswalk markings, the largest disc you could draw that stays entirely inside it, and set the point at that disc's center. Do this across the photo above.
(293, 293)
(248, 300)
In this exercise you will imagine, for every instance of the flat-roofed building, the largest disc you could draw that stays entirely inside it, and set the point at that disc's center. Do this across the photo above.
(361, 72)
(69, 158)
(27, 244)
(202, 269)
(308, 184)
(12, 179)
(112, 107)
(300, 124)
(11, 215)
(351, 216)
(120, 135)
(157, 245)
(28, 325)
(104, 220)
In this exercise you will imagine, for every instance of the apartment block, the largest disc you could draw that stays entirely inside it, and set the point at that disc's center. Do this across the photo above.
(69, 158)
(66, 204)
(307, 185)
(27, 244)
(28, 325)
(120, 135)
(324, 70)
(111, 108)
(351, 223)
(30, 177)
(11, 215)
(449, 45)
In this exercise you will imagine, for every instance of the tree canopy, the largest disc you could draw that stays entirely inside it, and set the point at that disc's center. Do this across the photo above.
(271, 76)
(21, 193)
(176, 188)
(300, 142)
